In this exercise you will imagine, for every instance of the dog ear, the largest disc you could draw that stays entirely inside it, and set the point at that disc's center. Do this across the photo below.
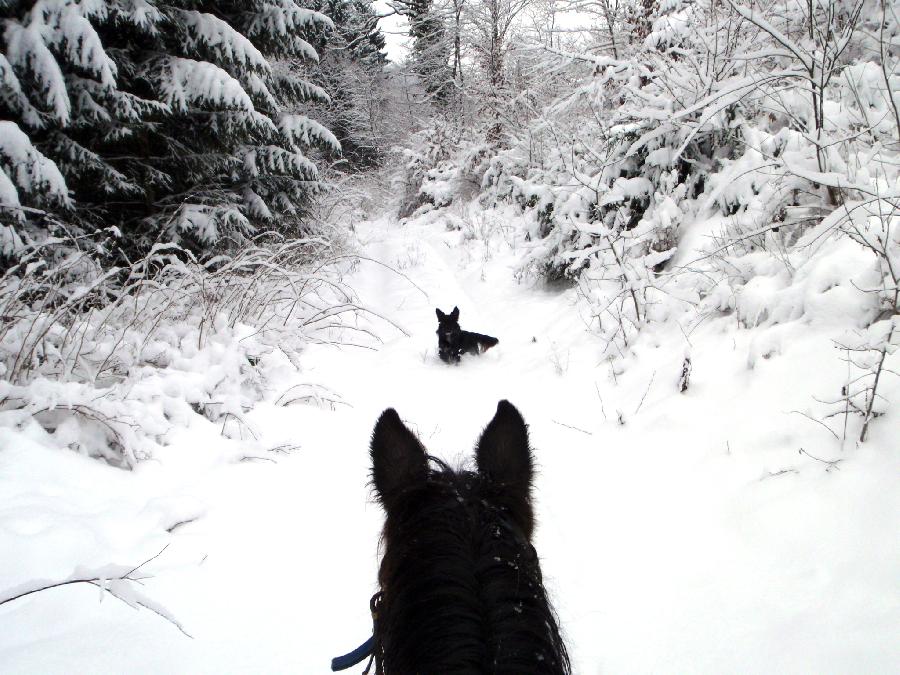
(454, 315)
(399, 462)
(504, 457)
(440, 315)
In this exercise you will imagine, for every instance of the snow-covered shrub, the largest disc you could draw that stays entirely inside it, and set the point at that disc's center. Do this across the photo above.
(871, 358)
(112, 362)
(429, 177)
(685, 131)
(694, 159)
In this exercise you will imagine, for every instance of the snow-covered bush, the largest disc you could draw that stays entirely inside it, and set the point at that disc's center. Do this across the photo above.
(703, 159)
(429, 174)
(111, 362)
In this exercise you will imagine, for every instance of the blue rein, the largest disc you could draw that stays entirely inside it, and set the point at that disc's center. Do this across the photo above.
(354, 657)
(366, 649)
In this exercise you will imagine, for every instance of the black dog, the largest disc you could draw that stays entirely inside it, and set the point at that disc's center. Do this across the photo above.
(453, 342)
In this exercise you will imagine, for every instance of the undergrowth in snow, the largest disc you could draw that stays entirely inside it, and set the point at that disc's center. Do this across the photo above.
(107, 362)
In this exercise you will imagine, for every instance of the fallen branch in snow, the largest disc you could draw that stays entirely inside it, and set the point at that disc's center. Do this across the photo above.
(774, 474)
(832, 463)
(569, 426)
(257, 458)
(117, 580)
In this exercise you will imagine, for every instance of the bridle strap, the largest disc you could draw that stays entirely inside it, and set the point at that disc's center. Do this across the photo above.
(369, 648)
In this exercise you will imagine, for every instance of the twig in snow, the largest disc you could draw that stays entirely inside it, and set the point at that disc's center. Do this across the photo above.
(602, 409)
(125, 592)
(558, 366)
(257, 458)
(650, 384)
(180, 523)
(146, 562)
(285, 448)
(819, 422)
(612, 369)
(685, 379)
(241, 424)
(773, 474)
(684, 333)
(877, 371)
(318, 394)
(569, 426)
(832, 463)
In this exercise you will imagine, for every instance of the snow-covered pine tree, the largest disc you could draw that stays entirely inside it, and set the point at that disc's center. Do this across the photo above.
(178, 121)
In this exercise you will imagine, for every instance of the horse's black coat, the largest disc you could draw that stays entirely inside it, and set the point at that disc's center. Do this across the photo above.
(461, 583)
(453, 341)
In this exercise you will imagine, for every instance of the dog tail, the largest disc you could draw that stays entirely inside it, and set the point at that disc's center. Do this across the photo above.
(487, 342)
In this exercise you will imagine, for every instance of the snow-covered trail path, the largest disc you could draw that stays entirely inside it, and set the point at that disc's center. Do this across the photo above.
(664, 549)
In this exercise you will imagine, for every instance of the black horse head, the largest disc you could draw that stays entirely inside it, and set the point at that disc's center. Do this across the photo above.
(460, 581)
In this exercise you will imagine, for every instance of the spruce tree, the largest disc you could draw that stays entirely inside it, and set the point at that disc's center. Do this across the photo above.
(173, 120)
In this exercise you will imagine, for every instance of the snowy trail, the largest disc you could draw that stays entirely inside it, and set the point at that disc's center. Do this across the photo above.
(662, 548)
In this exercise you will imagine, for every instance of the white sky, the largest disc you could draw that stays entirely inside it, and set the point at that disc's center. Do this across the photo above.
(395, 32)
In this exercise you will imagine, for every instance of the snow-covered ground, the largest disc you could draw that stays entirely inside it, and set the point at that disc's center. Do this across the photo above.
(697, 532)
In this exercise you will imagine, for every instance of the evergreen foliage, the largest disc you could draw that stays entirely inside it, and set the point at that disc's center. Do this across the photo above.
(177, 121)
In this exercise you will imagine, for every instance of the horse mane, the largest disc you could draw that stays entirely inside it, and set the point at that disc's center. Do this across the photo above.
(461, 583)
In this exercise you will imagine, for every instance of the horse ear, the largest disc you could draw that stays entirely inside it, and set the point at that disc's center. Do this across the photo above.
(440, 315)
(503, 454)
(454, 315)
(398, 458)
